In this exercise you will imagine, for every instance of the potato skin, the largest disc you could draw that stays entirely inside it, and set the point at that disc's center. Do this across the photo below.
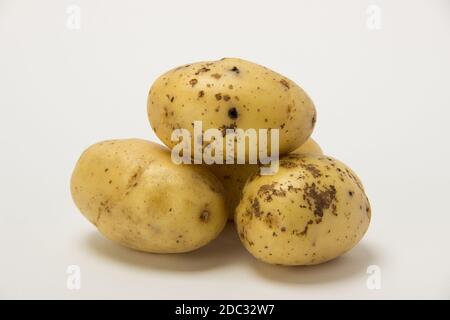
(309, 147)
(136, 196)
(312, 210)
(230, 93)
(234, 176)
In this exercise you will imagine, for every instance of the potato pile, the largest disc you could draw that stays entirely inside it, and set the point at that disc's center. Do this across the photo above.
(311, 210)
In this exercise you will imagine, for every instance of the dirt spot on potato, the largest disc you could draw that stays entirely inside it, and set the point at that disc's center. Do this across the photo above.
(311, 168)
(256, 207)
(304, 232)
(285, 163)
(235, 70)
(202, 70)
(233, 113)
(268, 191)
(285, 84)
(322, 198)
(224, 128)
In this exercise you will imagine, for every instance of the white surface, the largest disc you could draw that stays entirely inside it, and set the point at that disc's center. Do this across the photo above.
(383, 101)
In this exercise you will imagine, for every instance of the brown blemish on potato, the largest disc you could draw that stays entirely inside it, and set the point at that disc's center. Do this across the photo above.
(226, 97)
(322, 198)
(104, 207)
(134, 179)
(235, 70)
(204, 216)
(193, 82)
(201, 93)
(311, 168)
(233, 113)
(284, 163)
(224, 128)
(201, 70)
(268, 191)
(256, 207)
(218, 96)
(285, 83)
(170, 98)
(313, 119)
(216, 76)
(230, 87)
(305, 230)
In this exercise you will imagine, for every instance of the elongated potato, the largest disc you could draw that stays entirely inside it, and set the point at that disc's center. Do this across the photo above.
(136, 196)
(227, 94)
(312, 210)
(234, 176)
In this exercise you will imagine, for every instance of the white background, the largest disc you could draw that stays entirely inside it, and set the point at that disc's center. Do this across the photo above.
(383, 100)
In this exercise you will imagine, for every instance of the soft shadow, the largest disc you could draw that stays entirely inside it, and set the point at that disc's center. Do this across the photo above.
(224, 250)
(227, 250)
(352, 264)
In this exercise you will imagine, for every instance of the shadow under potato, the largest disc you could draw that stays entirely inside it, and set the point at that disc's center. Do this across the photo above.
(227, 250)
(224, 250)
(352, 264)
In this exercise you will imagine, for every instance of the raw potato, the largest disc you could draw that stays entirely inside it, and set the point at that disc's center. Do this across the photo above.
(227, 94)
(312, 210)
(136, 196)
(309, 147)
(234, 176)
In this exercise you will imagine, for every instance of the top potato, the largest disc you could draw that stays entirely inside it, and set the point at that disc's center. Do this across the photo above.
(227, 94)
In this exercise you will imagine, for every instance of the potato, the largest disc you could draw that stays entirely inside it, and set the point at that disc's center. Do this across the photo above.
(309, 147)
(234, 176)
(136, 196)
(312, 210)
(227, 94)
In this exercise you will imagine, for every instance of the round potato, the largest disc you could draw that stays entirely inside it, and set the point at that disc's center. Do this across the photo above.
(135, 195)
(312, 210)
(227, 94)
(234, 176)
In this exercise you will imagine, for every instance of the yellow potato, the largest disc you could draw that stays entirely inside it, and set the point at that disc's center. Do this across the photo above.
(136, 196)
(227, 94)
(309, 147)
(311, 211)
(234, 176)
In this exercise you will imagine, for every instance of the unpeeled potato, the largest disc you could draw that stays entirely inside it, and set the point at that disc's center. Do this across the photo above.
(136, 196)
